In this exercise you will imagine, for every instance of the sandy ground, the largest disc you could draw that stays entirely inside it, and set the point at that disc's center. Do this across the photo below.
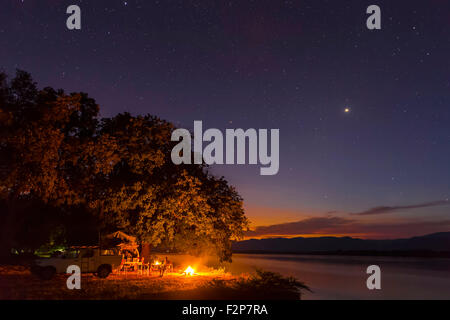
(16, 282)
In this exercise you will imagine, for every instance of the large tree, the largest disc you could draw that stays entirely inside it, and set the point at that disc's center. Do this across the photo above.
(114, 173)
(180, 206)
(49, 152)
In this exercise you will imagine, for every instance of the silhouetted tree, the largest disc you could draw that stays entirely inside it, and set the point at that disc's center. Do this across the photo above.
(48, 150)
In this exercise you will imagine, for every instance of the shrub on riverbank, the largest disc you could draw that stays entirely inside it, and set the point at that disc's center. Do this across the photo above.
(264, 285)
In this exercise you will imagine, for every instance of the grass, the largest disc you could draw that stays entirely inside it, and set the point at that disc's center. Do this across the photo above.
(16, 282)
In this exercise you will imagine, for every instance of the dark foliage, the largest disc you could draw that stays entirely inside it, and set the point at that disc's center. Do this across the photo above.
(67, 176)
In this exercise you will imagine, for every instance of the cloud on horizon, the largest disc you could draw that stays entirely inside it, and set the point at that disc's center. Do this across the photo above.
(389, 209)
(348, 227)
(319, 225)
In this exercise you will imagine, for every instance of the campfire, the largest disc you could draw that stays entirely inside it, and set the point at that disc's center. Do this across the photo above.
(189, 271)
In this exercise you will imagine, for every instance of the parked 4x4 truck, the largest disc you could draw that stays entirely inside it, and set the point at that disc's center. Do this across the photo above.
(90, 260)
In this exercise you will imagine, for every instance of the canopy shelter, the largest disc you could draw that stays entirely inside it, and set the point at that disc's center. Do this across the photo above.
(122, 236)
(125, 242)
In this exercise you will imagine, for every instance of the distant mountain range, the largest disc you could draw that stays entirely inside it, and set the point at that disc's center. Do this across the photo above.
(436, 242)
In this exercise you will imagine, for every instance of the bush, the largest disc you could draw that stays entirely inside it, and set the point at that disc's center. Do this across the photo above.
(264, 285)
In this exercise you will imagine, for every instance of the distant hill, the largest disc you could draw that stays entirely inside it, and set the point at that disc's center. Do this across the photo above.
(436, 242)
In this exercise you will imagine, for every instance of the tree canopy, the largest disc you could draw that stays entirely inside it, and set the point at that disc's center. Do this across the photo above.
(64, 172)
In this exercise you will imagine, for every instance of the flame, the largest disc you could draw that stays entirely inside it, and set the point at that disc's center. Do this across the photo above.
(157, 263)
(189, 271)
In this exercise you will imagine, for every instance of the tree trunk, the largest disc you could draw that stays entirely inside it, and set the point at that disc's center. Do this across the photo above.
(145, 251)
(7, 229)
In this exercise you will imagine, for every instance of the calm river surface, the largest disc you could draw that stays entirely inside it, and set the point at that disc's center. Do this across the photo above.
(343, 277)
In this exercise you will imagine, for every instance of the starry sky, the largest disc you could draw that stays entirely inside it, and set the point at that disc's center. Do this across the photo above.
(380, 170)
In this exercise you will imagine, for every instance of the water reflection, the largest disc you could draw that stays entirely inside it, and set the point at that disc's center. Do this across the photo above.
(344, 277)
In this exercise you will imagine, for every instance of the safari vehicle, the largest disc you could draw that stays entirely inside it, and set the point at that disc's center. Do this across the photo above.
(91, 259)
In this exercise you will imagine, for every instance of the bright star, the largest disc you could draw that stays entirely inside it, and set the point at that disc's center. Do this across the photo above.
(347, 110)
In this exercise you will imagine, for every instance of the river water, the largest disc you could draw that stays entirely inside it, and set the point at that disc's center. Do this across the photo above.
(344, 277)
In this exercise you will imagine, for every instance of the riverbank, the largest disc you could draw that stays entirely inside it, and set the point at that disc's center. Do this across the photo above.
(16, 282)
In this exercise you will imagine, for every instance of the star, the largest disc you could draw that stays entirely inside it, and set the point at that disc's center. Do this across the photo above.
(347, 110)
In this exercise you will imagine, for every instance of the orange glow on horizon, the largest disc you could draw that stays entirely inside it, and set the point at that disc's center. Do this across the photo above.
(309, 235)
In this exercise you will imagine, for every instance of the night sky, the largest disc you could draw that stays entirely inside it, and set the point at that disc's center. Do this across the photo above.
(378, 171)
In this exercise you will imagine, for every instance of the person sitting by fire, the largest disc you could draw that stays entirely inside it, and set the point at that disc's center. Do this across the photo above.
(162, 268)
(169, 265)
(166, 264)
